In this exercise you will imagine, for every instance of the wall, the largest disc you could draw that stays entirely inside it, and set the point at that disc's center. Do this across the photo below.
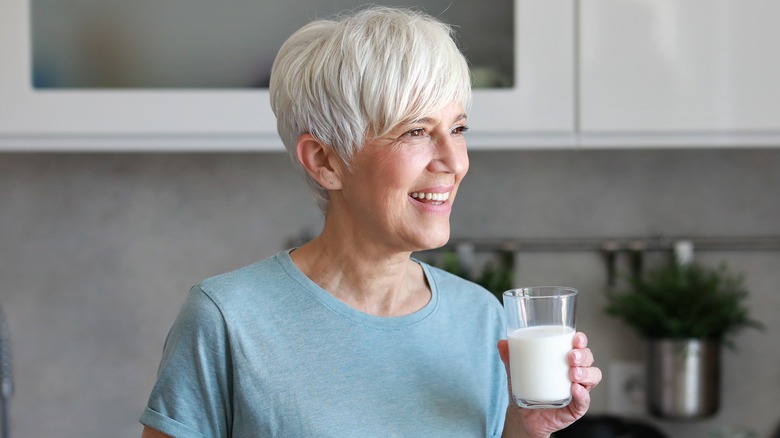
(97, 252)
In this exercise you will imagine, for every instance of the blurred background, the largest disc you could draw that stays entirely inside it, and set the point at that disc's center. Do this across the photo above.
(97, 252)
(99, 248)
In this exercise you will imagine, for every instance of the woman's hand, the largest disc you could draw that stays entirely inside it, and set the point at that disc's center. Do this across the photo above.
(540, 423)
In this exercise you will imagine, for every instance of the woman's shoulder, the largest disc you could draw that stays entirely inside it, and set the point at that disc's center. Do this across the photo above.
(466, 303)
(266, 274)
(451, 286)
(448, 277)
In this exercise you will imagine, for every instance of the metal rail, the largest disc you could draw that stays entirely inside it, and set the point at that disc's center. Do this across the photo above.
(629, 244)
(610, 249)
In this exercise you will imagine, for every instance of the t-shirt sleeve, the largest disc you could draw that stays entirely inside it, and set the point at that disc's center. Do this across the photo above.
(191, 397)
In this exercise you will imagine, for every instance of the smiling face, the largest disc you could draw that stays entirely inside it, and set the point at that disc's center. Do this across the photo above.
(400, 191)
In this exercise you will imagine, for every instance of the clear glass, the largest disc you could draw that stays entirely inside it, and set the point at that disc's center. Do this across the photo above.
(206, 44)
(540, 329)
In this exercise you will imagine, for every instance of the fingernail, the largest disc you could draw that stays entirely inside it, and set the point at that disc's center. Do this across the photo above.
(577, 356)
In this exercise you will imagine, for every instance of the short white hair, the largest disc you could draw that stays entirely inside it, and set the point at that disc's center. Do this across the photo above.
(358, 76)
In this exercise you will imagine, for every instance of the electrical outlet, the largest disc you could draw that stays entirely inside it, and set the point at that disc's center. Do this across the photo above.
(627, 388)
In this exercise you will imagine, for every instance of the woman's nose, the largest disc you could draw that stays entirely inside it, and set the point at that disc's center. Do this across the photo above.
(451, 156)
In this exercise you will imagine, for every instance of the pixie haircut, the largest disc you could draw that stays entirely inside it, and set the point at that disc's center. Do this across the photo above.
(354, 78)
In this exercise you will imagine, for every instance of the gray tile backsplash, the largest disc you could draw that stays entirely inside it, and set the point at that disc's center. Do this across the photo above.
(97, 252)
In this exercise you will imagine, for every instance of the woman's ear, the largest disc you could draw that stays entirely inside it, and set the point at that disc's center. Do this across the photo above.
(320, 161)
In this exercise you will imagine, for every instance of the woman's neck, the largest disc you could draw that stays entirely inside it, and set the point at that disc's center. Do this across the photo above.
(363, 277)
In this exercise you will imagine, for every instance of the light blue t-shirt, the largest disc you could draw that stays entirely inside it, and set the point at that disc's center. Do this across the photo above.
(264, 352)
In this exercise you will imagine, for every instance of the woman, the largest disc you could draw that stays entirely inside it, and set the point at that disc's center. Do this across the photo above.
(347, 335)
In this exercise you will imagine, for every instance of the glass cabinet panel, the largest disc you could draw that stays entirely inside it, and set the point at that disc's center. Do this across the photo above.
(205, 44)
(190, 75)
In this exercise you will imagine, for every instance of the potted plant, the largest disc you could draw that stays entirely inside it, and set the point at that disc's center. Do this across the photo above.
(686, 311)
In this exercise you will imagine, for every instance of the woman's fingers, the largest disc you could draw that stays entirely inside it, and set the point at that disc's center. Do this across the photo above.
(585, 376)
(580, 340)
(580, 401)
(581, 359)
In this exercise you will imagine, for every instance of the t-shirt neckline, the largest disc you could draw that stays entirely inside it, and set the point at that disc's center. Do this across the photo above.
(354, 315)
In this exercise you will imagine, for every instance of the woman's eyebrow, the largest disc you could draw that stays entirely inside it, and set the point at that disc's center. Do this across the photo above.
(422, 120)
(429, 120)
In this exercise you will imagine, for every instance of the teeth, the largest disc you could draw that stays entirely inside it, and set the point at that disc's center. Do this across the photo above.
(439, 197)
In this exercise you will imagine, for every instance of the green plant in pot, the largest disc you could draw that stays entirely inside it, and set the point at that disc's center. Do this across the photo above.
(686, 311)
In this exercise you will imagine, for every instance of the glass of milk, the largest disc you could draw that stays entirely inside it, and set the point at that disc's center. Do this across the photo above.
(540, 331)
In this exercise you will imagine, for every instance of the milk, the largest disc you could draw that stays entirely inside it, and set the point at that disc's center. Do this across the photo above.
(538, 363)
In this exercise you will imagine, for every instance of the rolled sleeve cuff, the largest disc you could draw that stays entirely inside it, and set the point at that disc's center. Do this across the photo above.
(168, 426)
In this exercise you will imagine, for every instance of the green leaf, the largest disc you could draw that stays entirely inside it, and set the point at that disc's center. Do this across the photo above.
(691, 301)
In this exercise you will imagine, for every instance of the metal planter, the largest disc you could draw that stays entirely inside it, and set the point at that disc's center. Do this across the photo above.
(683, 378)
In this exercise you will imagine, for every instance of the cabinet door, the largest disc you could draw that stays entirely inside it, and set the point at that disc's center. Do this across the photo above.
(693, 71)
(539, 110)
(536, 108)
(118, 119)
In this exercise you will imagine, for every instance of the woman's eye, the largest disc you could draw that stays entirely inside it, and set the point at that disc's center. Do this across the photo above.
(460, 129)
(419, 132)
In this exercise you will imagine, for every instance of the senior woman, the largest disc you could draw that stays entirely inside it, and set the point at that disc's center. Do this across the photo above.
(348, 335)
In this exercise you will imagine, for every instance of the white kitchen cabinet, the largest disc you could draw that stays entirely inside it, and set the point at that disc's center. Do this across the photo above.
(679, 73)
(536, 111)
(539, 111)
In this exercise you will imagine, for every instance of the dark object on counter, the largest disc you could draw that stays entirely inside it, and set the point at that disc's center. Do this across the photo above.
(6, 384)
(608, 427)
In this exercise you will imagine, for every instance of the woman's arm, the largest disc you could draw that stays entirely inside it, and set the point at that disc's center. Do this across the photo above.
(153, 433)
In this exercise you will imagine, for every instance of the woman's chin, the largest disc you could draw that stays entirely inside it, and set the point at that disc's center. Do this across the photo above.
(435, 241)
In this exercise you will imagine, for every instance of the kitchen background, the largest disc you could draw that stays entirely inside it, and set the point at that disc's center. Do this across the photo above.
(624, 121)
(97, 252)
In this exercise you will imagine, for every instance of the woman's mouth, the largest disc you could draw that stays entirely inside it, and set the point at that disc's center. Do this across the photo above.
(431, 198)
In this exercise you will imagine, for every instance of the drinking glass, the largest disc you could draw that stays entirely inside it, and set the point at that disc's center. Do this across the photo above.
(540, 330)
